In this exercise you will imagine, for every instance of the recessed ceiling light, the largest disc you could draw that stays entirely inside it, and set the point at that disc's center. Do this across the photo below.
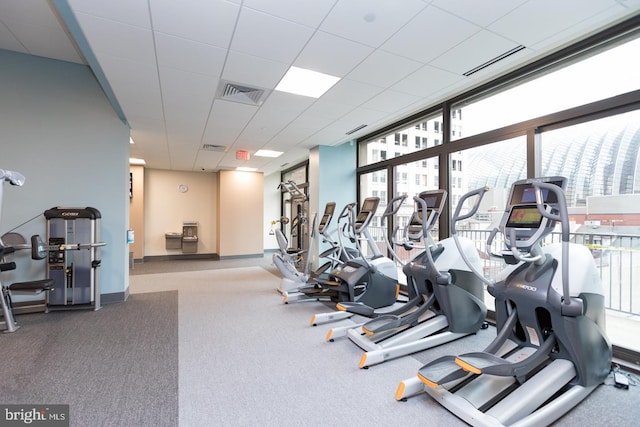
(268, 153)
(301, 81)
(244, 169)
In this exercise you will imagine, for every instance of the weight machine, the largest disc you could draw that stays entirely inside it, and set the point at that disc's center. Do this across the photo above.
(73, 237)
(299, 232)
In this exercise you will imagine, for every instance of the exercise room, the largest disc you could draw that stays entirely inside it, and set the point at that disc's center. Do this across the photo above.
(320, 212)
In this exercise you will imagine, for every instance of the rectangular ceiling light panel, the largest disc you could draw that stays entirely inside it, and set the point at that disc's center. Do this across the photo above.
(268, 153)
(301, 81)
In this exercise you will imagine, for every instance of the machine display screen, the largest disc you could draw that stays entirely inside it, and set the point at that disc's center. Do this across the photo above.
(431, 201)
(526, 193)
(323, 222)
(416, 218)
(328, 214)
(524, 217)
(369, 205)
(330, 209)
(362, 217)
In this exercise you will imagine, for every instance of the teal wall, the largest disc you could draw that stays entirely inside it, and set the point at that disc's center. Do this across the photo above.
(60, 131)
(332, 178)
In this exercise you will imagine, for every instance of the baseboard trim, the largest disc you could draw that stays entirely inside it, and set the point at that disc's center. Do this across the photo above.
(242, 256)
(152, 258)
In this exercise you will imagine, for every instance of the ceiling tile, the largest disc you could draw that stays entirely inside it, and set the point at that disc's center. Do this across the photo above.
(383, 69)
(135, 85)
(31, 27)
(325, 109)
(331, 54)
(45, 41)
(275, 114)
(207, 160)
(531, 22)
(369, 22)
(432, 33)
(309, 13)
(187, 55)
(351, 120)
(474, 51)
(125, 11)
(253, 71)
(8, 40)
(187, 100)
(116, 39)
(351, 92)
(210, 21)
(391, 101)
(269, 37)
(480, 13)
(588, 25)
(226, 121)
(36, 13)
(425, 81)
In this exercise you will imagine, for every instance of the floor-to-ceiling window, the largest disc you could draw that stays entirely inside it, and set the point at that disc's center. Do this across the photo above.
(601, 159)
(576, 116)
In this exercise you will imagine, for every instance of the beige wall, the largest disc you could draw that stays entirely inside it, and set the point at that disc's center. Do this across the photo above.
(240, 213)
(136, 211)
(166, 208)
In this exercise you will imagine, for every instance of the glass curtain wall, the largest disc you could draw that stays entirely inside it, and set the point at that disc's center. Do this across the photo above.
(411, 179)
(601, 160)
(374, 184)
(418, 136)
(496, 166)
(579, 120)
(387, 152)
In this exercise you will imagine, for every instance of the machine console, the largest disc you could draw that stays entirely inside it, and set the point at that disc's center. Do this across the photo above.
(434, 200)
(329, 210)
(522, 216)
(367, 211)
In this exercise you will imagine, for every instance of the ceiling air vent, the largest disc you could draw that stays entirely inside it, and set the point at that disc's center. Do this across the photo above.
(212, 147)
(355, 129)
(241, 93)
(494, 60)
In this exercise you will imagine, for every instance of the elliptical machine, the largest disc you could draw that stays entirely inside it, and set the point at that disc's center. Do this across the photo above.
(337, 254)
(450, 297)
(551, 350)
(372, 280)
(347, 309)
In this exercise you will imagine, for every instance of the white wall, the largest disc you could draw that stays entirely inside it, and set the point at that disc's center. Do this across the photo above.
(166, 209)
(60, 131)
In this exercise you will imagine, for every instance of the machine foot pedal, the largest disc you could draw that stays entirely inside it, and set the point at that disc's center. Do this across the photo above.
(441, 371)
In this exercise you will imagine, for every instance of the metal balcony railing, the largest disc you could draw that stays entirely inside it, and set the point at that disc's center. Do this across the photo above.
(617, 258)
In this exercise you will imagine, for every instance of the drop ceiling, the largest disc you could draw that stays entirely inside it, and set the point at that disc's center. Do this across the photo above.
(163, 63)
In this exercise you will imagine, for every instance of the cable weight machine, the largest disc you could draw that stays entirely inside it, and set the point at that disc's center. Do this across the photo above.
(73, 261)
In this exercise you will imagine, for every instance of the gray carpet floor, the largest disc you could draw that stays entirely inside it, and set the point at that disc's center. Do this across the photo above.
(117, 366)
(202, 344)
